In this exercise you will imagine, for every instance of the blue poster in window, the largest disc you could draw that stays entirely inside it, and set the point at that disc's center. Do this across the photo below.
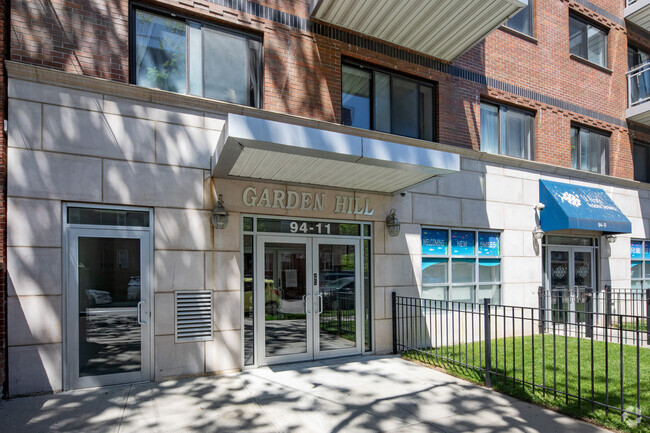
(636, 248)
(647, 250)
(434, 242)
(462, 243)
(488, 244)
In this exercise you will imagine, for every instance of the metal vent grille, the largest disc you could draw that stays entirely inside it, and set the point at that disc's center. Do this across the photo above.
(193, 316)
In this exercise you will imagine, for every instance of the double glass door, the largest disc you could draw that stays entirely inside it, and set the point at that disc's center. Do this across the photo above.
(307, 298)
(108, 307)
(571, 282)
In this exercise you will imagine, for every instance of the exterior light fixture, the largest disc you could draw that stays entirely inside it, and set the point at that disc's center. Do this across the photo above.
(611, 238)
(392, 224)
(219, 214)
(538, 233)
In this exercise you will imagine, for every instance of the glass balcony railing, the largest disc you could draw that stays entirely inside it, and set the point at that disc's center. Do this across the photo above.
(638, 84)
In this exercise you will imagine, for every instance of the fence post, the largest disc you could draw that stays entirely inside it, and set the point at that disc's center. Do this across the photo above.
(590, 312)
(394, 299)
(542, 309)
(608, 306)
(647, 315)
(487, 328)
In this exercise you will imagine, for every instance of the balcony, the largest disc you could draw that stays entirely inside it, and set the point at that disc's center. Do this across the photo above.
(637, 12)
(438, 28)
(638, 94)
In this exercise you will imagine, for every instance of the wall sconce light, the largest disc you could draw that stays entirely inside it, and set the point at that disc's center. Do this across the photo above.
(611, 238)
(219, 214)
(538, 233)
(392, 224)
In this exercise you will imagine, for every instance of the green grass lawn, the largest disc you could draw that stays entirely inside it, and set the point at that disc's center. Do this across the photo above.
(513, 357)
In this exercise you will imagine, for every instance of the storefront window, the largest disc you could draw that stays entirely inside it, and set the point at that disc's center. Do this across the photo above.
(461, 265)
(640, 255)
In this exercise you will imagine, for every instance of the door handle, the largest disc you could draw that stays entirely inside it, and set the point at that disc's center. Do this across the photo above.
(140, 321)
(320, 302)
(304, 304)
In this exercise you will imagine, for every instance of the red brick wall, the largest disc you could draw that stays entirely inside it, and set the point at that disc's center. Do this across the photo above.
(302, 71)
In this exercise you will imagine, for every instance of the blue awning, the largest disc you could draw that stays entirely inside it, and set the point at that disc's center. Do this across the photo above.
(579, 207)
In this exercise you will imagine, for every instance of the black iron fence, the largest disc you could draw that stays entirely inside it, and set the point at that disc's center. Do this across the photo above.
(590, 353)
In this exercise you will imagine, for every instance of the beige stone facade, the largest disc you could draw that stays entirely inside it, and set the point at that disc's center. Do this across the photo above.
(107, 144)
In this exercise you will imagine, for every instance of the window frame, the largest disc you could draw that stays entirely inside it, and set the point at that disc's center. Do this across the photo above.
(579, 147)
(372, 115)
(531, 17)
(585, 39)
(501, 108)
(189, 20)
(476, 283)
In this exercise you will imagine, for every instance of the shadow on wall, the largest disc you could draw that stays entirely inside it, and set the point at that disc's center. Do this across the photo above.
(90, 43)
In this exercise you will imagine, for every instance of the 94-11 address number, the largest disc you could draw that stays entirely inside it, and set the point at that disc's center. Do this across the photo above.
(304, 227)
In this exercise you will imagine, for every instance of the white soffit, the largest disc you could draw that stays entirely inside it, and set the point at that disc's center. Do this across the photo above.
(260, 149)
(440, 28)
(639, 113)
(638, 13)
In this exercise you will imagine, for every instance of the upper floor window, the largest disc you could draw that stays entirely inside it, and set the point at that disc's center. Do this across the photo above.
(194, 58)
(377, 100)
(523, 20)
(589, 150)
(587, 41)
(641, 157)
(636, 56)
(506, 131)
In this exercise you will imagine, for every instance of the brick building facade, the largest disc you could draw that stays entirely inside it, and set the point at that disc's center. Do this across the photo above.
(72, 94)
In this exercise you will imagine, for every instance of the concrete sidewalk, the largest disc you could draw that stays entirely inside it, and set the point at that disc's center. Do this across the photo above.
(351, 394)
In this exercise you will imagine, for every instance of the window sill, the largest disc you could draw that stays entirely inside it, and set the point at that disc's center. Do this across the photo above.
(590, 63)
(519, 34)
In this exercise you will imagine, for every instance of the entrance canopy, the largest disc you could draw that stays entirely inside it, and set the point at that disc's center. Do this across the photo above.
(261, 149)
(579, 207)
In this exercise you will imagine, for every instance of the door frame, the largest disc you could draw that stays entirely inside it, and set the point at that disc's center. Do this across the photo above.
(70, 299)
(571, 249)
(258, 299)
(312, 301)
(358, 316)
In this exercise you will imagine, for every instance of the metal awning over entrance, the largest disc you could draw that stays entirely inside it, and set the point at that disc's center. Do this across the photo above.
(261, 149)
(579, 207)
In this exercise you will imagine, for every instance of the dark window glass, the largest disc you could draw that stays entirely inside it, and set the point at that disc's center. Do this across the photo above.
(523, 21)
(189, 57)
(356, 97)
(506, 131)
(249, 316)
(587, 41)
(160, 52)
(108, 217)
(405, 108)
(387, 103)
(589, 150)
(641, 162)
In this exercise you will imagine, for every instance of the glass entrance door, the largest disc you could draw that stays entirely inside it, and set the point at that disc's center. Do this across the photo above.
(571, 281)
(337, 275)
(308, 300)
(108, 307)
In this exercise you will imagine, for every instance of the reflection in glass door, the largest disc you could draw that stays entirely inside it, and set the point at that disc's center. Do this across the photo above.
(338, 297)
(285, 297)
(307, 304)
(108, 305)
(571, 282)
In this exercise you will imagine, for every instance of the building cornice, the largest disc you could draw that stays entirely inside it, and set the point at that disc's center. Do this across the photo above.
(22, 71)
